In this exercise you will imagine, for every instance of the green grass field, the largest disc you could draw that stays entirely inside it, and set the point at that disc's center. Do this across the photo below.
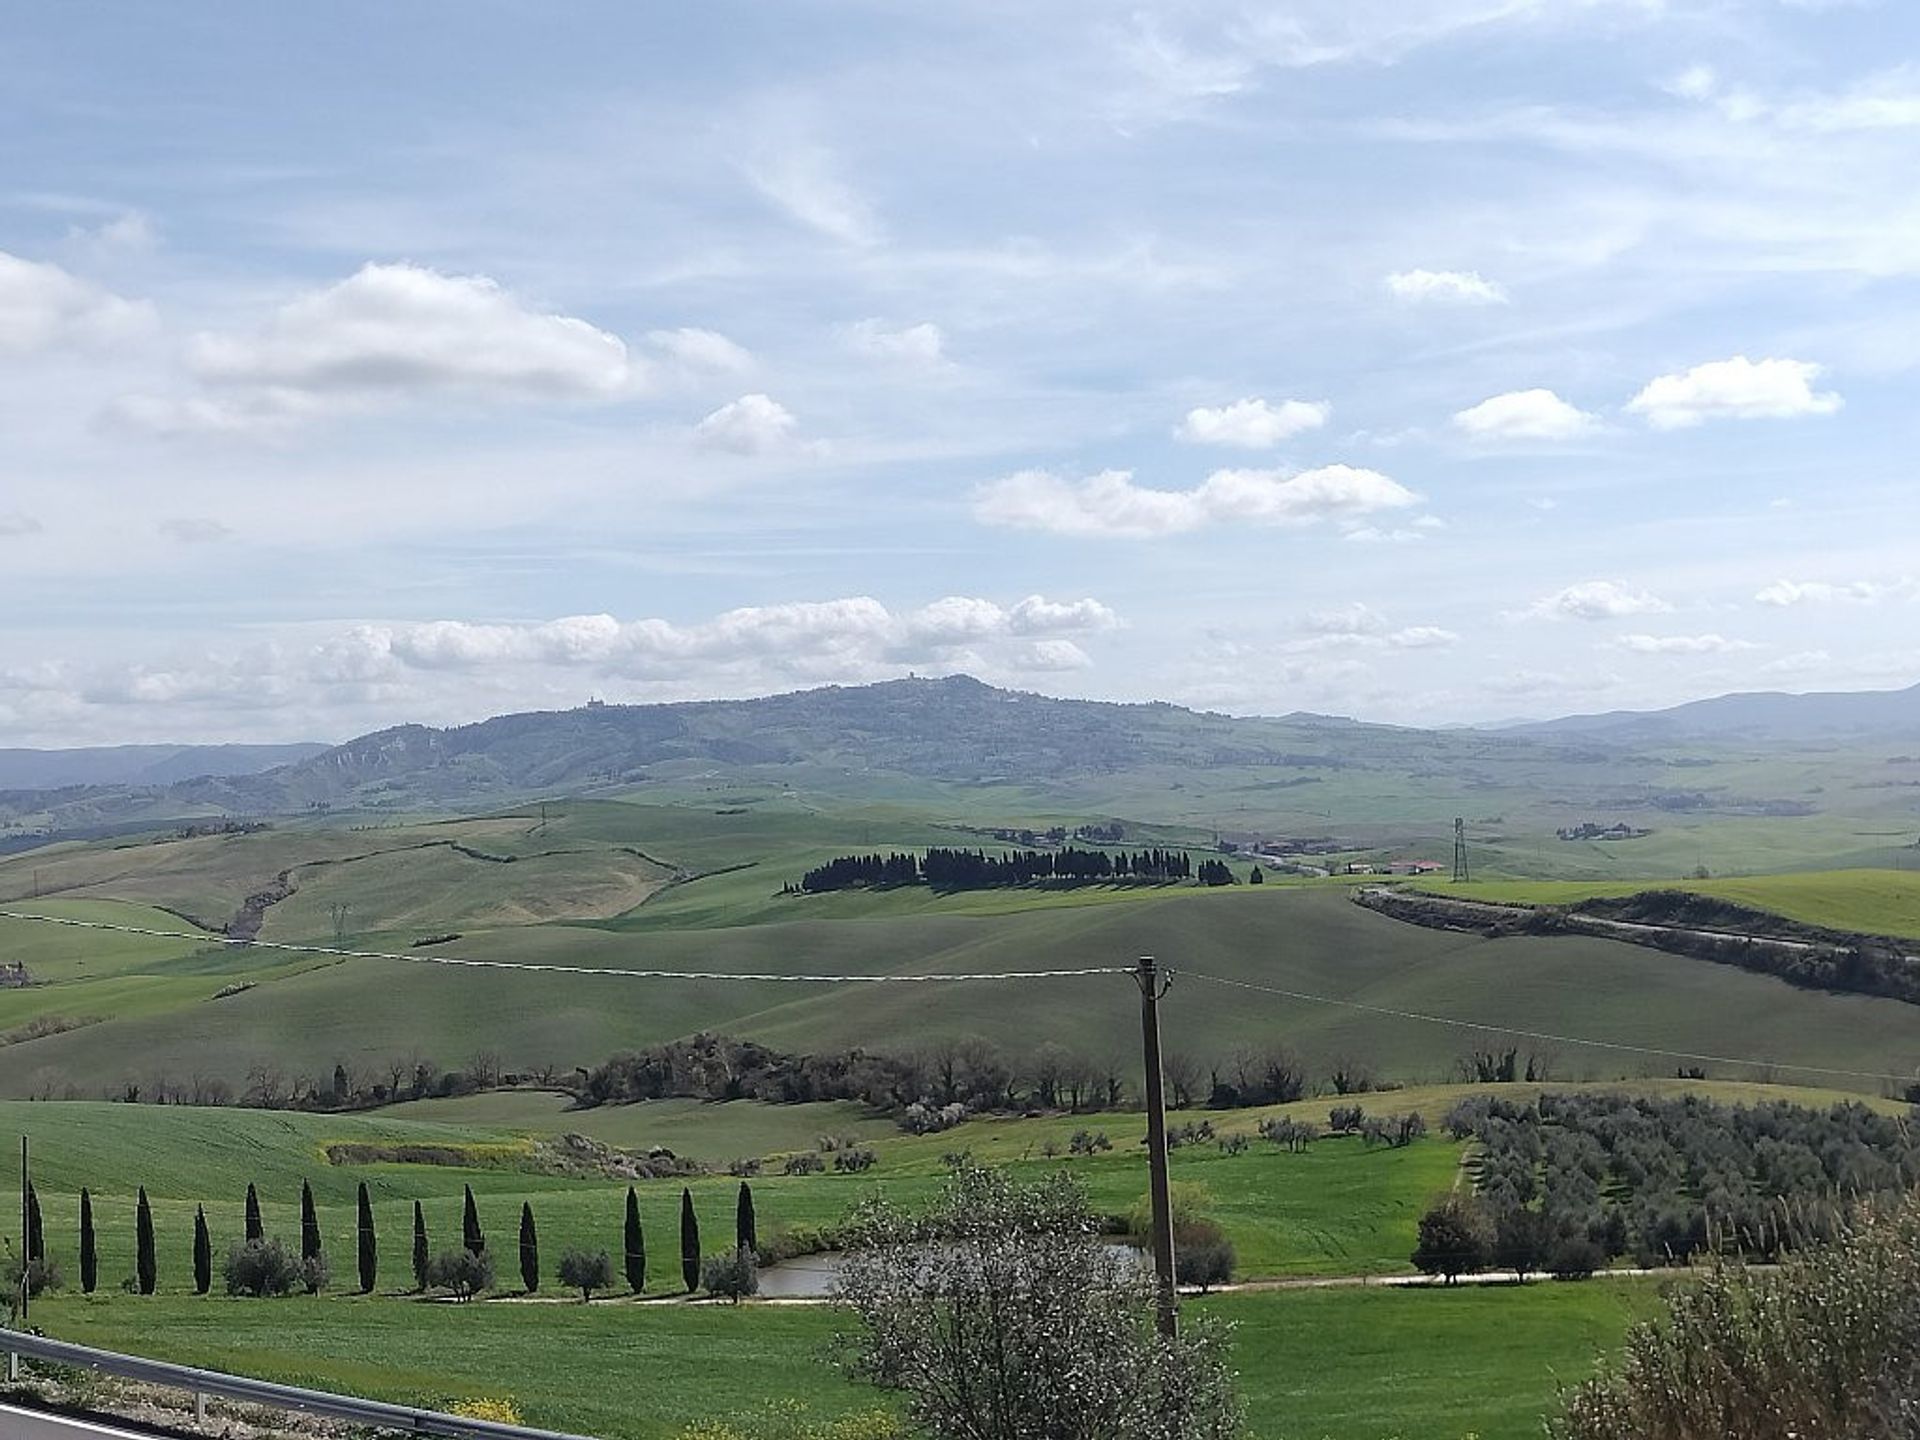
(1879, 902)
(1348, 1364)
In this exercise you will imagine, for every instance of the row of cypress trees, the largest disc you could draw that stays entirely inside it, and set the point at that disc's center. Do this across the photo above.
(367, 1252)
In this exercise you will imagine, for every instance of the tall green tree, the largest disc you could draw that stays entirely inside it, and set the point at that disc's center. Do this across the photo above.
(529, 1249)
(309, 1224)
(146, 1267)
(255, 1230)
(689, 1242)
(89, 1247)
(470, 1233)
(745, 1236)
(202, 1252)
(36, 1230)
(422, 1256)
(368, 1250)
(636, 1246)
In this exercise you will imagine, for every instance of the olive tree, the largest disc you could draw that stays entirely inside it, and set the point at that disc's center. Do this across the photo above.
(1000, 1313)
(586, 1271)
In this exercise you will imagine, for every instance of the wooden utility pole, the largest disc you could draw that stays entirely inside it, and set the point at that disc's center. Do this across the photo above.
(1152, 987)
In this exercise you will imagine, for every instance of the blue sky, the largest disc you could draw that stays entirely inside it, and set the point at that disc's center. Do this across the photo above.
(1429, 362)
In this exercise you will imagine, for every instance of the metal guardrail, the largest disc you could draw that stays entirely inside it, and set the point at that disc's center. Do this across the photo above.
(201, 1383)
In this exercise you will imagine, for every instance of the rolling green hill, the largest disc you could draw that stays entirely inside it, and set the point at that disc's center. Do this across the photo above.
(175, 1016)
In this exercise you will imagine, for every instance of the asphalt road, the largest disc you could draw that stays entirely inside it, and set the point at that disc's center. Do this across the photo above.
(32, 1425)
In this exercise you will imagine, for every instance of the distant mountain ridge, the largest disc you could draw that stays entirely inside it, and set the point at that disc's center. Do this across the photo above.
(1769, 715)
(885, 739)
(955, 730)
(23, 769)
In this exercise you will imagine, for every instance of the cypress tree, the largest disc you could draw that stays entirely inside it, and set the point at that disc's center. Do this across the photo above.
(745, 1237)
(309, 1224)
(202, 1252)
(636, 1246)
(36, 1231)
(529, 1249)
(420, 1253)
(689, 1242)
(369, 1250)
(145, 1267)
(470, 1234)
(255, 1230)
(89, 1249)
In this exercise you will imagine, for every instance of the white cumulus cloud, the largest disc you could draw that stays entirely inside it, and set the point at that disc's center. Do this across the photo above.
(858, 631)
(1252, 423)
(386, 335)
(43, 305)
(1597, 600)
(1735, 389)
(1448, 287)
(1524, 415)
(1109, 504)
(751, 425)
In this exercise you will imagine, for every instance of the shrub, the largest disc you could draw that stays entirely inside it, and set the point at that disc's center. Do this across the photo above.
(261, 1268)
(732, 1274)
(586, 1271)
(500, 1412)
(1088, 1142)
(42, 1276)
(315, 1273)
(852, 1162)
(1345, 1119)
(1574, 1257)
(1824, 1346)
(997, 1269)
(807, 1162)
(745, 1168)
(921, 1118)
(461, 1272)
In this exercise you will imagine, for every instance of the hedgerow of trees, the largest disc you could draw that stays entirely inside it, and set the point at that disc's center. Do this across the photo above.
(946, 869)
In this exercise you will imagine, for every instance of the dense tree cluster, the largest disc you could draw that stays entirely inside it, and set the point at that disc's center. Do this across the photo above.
(1664, 1179)
(973, 1075)
(947, 869)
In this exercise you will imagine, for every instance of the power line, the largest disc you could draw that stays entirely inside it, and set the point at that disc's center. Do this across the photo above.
(458, 961)
(1542, 1035)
